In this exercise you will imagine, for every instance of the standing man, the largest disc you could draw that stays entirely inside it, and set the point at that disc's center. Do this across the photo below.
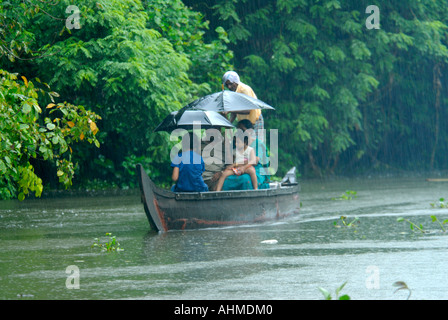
(232, 81)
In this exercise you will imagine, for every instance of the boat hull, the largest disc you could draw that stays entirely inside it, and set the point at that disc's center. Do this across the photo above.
(167, 210)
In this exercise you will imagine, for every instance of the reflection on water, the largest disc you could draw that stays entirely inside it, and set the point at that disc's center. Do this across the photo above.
(41, 238)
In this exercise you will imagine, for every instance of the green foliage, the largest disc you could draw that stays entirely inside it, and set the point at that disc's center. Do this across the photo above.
(29, 134)
(327, 294)
(132, 62)
(348, 195)
(414, 227)
(347, 96)
(14, 38)
(343, 222)
(109, 245)
(440, 204)
(441, 223)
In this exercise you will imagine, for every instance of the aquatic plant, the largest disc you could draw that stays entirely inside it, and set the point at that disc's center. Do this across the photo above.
(328, 296)
(415, 227)
(343, 222)
(109, 246)
(434, 219)
(412, 225)
(402, 286)
(442, 204)
(348, 195)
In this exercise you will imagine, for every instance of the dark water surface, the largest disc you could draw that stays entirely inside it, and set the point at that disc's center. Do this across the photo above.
(39, 239)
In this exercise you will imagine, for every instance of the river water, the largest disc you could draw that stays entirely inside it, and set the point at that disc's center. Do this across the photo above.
(46, 248)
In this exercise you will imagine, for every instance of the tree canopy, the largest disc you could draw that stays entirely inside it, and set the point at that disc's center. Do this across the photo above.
(130, 62)
(347, 96)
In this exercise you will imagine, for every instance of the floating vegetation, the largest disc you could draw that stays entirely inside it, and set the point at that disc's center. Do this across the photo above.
(412, 225)
(343, 222)
(328, 296)
(111, 245)
(441, 204)
(348, 195)
(402, 286)
(441, 224)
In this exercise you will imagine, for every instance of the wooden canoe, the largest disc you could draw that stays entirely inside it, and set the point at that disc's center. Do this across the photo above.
(168, 210)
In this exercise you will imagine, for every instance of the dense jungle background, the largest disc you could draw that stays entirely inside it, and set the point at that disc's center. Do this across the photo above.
(84, 83)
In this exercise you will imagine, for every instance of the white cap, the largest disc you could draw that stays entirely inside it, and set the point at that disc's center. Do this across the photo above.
(232, 76)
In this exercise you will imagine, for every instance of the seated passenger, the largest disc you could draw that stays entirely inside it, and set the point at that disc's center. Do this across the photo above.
(188, 167)
(261, 152)
(244, 161)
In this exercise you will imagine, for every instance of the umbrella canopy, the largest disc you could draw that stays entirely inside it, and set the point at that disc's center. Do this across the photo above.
(225, 101)
(187, 119)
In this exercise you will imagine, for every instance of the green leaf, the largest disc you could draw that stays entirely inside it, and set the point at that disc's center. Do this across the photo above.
(340, 288)
(50, 126)
(26, 108)
(2, 166)
(326, 294)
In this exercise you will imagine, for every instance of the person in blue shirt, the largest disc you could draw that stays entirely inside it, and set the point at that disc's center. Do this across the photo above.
(188, 167)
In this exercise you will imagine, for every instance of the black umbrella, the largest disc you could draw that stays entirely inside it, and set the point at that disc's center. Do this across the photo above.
(225, 101)
(188, 119)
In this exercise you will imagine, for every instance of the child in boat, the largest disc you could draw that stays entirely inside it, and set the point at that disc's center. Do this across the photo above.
(188, 167)
(244, 161)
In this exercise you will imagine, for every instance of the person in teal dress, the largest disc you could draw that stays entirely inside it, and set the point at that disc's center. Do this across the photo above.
(244, 182)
